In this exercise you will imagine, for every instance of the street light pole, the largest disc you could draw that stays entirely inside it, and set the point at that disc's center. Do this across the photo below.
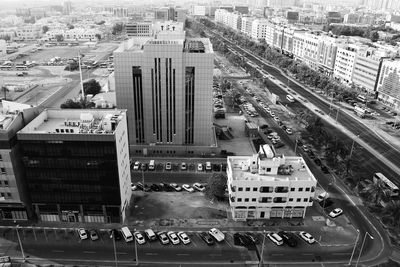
(262, 251)
(20, 244)
(136, 253)
(337, 114)
(355, 245)
(362, 246)
(115, 249)
(352, 146)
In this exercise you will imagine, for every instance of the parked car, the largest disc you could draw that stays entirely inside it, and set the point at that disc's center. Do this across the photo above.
(183, 166)
(150, 234)
(82, 234)
(144, 167)
(305, 148)
(336, 212)
(163, 238)
(168, 166)
(188, 188)
(139, 238)
(252, 237)
(217, 234)
(199, 187)
(289, 131)
(136, 166)
(173, 237)
(176, 187)
(324, 169)
(114, 233)
(200, 167)
(140, 186)
(288, 238)
(322, 196)
(318, 161)
(155, 188)
(207, 238)
(184, 237)
(275, 238)
(93, 235)
(241, 240)
(307, 237)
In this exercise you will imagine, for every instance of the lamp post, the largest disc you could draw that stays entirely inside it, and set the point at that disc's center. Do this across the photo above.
(362, 246)
(262, 251)
(20, 244)
(352, 146)
(115, 249)
(136, 253)
(354, 249)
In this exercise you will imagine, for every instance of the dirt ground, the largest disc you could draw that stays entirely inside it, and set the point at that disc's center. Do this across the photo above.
(177, 205)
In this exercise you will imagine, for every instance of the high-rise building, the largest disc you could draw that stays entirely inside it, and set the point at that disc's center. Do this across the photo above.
(389, 83)
(259, 29)
(14, 204)
(67, 7)
(267, 185)
(165, 85)
(162, 13)
(76, 165)
(344, 63)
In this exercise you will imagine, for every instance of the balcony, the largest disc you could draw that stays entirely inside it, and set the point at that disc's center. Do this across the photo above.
(265, 200)
(280, 199)
(266, 189)
(281, 189)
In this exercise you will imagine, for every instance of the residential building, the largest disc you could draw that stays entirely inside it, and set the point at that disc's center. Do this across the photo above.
(3, 48)
(198, 10)
(67, 8)
(76, 165)
(31, 32)
(327, 49)
(244, 10)
(366, 68)
(344, 63)
(14, 204)
(351, 18)
(164, 84)
(180, 14)
(259, 29)
(267, 185)
(161, 13)
(139, 28)
(269, 33)
(305, 48)
(389, 83)
(247, 24)
(120, 12)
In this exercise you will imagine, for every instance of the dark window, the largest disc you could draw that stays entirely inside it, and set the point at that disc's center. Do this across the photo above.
(305, 199)
(307, 189)
(189, 104)
(298, 200)
(3, 170)
(239, 200)
(292, 189)
(5, 183)
(253, 199)
(266, 189)
(254, 189)
(240, 188)
(268, 169)
(290, 199)
(247, 189)
(300, 189)
(246, 200)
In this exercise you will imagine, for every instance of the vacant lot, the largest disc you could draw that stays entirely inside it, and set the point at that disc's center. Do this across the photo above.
(177, 205)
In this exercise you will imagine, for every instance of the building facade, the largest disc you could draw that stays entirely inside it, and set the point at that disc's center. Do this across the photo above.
(344, 64)
(267, 185)
(165, 85)
(76, 165)
(259, 29)
(389, 83)
(139, 28)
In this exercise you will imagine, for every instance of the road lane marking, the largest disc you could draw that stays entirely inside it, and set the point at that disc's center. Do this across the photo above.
(124, 253)
(89, 252)
(341, 253)
(182, 254)
(307, 254)
(151, 254)
(58, 251)
(215, 255)
(276, 254)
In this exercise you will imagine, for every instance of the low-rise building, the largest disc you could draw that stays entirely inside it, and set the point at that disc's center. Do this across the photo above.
(75, 165)
(267, 185)
(198, 10)
(28, 32)
(247, 23)
(139, 28)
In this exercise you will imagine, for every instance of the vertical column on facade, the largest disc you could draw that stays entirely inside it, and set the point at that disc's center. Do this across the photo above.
(37, 210)
(59, 212)
(105, 213)
(82, 217)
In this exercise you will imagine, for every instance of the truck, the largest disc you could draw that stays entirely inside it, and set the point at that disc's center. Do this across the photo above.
(359, 111)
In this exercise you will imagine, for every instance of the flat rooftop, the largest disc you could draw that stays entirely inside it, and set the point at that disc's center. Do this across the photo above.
(294, 169)
(9, 111)
(82, 121)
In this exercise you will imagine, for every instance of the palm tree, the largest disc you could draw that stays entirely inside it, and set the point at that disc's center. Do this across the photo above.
(392, 213)
(377, 192)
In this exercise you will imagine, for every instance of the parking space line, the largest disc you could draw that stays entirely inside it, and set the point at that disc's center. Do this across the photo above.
(151, 254)
(182, 254)
(307, 254)
(89, 252)
(124, 253)
(58, 251)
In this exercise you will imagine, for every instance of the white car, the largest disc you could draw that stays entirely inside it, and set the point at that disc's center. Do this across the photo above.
(275, 238)
(199, 187)
(335, 213)
(139, 237)
(276, 119)
(82, 234)
(136, 166)
(289, 131)
(200, 167)
(307, 237)
(183, 166)
(173, 237)
(163, 238)
(305, 148)
(184, 237)
(188, 188)
(176, 187)
(133, 187)
(168, 166)
(272, 114)
(322, 196)
(217, 234)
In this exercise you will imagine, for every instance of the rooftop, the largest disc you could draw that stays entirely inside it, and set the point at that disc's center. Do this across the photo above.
(87, 121)
(9, 111)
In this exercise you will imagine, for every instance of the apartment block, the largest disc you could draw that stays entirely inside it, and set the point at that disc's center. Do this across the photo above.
(165, 85)
(344, 64)
(230, 19)
(327, 49)
(389, 83)
(14, 204)
(259, 29)
(267, 185)
(32, 32)
(3, 48)
(198, 10)
(139, 28)
(75, 165)
(247, 23)
(305, 48)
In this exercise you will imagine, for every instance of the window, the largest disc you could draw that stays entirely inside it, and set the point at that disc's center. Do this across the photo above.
(254, 189)
(247, 189)
(246, 200)
(305, 199)
(298, 200)
(3, 170)
(290, 199)
(240, 188)
(5, 183)
(307, 189)
(239, 200)
(2, 194)
(292, 189)
(268, 169)
(8, 194)
(1, 158)
(253, 200)
(300, 189)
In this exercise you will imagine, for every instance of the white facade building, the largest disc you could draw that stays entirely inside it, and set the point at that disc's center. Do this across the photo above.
(139, 28)
(3, 48)
(389, 83)
(259, 29)
(267, 185)
(198, 10)
(32, 32)
(246, 27)
(344, 64)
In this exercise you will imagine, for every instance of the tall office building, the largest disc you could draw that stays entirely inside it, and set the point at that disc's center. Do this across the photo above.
(165, 83)
(67, 7)
(13, 202)
(75, 165)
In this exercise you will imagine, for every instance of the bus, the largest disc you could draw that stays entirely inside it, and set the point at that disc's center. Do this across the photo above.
(126, 234)
(394, 190)
(290, 98)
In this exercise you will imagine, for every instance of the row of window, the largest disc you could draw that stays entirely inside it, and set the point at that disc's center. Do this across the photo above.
(276, 200)
(4, 183)
(6, 195)
(270, 189)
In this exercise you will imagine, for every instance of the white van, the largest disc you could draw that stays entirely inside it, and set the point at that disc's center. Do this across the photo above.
(150, 234)
(208, 166)
(274, 237)
(151, 165)
(127, 234)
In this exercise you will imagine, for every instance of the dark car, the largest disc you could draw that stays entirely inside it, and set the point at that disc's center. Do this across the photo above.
(241, 240)
(311, 154)
(140, 186)
(299, 142)
(155, 188)
(207, 238)
(288, 238)
(324, 169)
(253, 238)
(216, 167)
(115, 233)
(144, 166)
(224, 167)
(168, 188)
(318, 161)
(147, 188)
(279, 145)
(264, 126)
(284, 127)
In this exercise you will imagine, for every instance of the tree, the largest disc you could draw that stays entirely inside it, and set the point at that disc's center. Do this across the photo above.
(377, 192)
(80, 104)
(4, 89)
(392, 213)
(72, 66)
(45, 29)
(374, 36)
(70, 26)
(59, 37)
(98, 36)
(216, 186)
(91, 87)
(117, 28)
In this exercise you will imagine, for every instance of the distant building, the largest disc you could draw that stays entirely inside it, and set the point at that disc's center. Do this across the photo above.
(120, 12)
(67, 8)
(292, 16)
(227, 8)
(247, 24)
(344, 64)
(14, 203)
(30, 32)
(23, 12)
(162, 13)
(3, 48)
(76, 165)
(244, 10)
(334, 17)
(139, 28)
(267, 185)
(351, 18)
(281, 3)
(180, 14)
(389, 83)
(259, 29)
(198, 10)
